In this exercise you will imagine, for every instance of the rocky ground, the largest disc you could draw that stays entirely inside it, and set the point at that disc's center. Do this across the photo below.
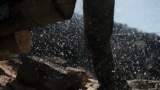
(8, 77)
(144, 84)
(8, 81)
(8, 72)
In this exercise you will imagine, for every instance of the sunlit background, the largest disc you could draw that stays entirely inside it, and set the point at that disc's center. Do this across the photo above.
(141, 14)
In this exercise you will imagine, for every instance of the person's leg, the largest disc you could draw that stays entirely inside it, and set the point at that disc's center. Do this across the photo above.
(98, 23)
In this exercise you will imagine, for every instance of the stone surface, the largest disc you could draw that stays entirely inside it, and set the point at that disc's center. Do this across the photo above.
(8, 71)
(33, 13)
(68, 78)
(144, 84)
(42, 74)
(78, 77)
(16, 85)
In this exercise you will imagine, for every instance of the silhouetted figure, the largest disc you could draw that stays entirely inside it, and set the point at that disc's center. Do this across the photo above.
(98, 21)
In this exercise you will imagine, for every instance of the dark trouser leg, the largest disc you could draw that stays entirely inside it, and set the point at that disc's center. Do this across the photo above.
(98, 18)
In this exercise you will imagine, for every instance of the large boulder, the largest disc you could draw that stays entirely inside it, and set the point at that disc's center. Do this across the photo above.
(45, 75)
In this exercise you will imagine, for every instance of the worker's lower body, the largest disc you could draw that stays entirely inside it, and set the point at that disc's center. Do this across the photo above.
(98, 21)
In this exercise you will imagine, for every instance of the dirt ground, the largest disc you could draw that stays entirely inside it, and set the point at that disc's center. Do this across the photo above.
(8, 72)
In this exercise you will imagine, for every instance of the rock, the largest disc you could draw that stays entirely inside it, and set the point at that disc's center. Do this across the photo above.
(16, 85)
(44, 75)
(138, 84)
(8, 71)
(71, 78)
